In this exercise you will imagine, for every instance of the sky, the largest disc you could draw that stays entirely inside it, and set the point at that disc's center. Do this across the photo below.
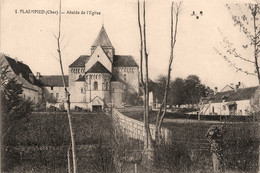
(30, 36)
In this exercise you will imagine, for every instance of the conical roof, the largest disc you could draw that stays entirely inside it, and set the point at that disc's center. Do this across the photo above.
(102, 39)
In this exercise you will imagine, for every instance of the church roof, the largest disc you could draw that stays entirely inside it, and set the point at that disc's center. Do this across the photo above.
(80, 79)
(102, 39)
(54, 80)
(119, 61)
(98, 68)
(116, 79)
(124, 61)
(80, 62)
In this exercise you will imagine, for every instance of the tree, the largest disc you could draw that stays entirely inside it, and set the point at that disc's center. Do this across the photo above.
(14, 108)
(246, 17)
(162, 111)
(148, 151)
(67, 94)
(161, 82)
(194, 90)
(177, 92)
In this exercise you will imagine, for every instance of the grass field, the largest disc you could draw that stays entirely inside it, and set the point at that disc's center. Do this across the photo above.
(40, 145)
(240, 140)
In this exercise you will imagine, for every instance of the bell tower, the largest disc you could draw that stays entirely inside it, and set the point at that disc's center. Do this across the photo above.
(104, 42)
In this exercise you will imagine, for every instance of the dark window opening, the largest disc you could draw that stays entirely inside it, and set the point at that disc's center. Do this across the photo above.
(95, 85)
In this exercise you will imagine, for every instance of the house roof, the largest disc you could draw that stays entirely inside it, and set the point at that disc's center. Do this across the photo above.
(54, 80)
(25, 83)
(80, 62)
(21, 68)
(234, 95)
(102, 39)
(98, 68)
(124, 61)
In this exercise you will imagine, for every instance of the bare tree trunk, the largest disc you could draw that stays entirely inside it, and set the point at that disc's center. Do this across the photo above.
(148, 151)
(67, 94)
(161, 114)
(256, 49)
(68, 158)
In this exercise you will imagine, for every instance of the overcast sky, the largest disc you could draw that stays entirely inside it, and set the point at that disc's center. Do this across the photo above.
(29, 37)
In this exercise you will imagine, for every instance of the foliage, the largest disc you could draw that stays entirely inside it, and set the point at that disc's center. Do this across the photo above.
(182, 91)
(133, 99)
(215, 138)
(15, 111)
(177, 92)
(51, 100)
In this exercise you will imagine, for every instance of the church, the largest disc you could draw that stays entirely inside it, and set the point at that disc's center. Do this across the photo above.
(103, 78)
(97, 81)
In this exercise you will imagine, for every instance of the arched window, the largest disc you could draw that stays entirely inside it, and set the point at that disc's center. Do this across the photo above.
(95, 85)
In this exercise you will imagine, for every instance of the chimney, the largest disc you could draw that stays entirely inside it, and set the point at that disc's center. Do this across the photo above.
(20, 74)
(31, 78)
(38, 75)
(16, 59)
(216, 90)
(238, 85)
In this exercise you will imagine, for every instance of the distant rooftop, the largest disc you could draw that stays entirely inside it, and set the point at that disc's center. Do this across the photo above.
(54, 80)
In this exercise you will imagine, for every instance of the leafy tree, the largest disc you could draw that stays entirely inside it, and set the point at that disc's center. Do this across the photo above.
(194, 90)
(14, 110)
(177, 92)
(133, 98)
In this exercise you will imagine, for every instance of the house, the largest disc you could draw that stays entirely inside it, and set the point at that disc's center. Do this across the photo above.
(236, 101)
(103, 78)
(53, 89)
(23, 75)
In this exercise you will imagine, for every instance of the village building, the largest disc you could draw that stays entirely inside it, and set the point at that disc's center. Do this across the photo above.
(53, 90)
(232, 101)
(23, 75)
(103, 78)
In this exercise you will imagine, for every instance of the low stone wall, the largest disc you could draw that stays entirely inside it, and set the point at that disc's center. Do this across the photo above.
(134, 128)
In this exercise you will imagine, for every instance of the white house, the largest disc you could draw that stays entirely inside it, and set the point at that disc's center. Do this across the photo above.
(24, 76)
(238, 101)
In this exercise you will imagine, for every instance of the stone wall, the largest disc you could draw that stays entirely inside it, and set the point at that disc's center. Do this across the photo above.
(134, 128)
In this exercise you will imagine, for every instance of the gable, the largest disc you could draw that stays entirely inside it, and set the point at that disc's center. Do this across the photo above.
(99, 55)
(227, 88)
(98, 68)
